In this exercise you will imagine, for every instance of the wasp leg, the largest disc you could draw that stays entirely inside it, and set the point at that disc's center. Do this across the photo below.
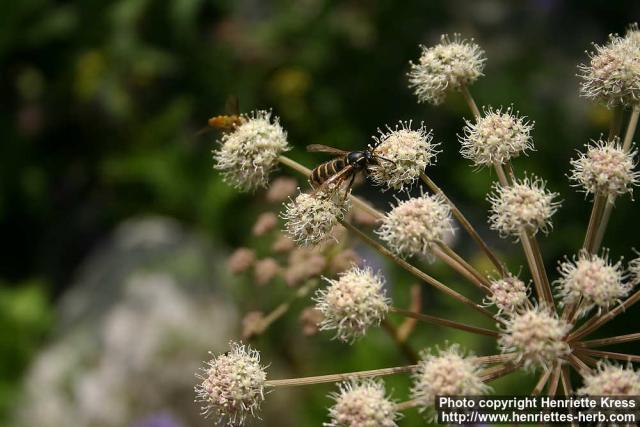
(346, 190)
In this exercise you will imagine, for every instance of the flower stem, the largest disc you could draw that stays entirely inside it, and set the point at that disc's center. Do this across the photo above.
(609, 354)
(466, 225)
(494, 358)
(333, 378)
(443, 322)
(546, 286)
(445, 254)
(470, 102)
(282, 308)
(566, 380)
(499, 371)
(555, 379)
(596, 213)
(606, 215)
(404, 347)
(609, 340)
(414, 270)
(596, 321)
(541, 383)
(407, 404)
(578, 365)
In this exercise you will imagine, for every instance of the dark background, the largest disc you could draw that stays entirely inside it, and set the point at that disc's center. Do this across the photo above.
(101, 102)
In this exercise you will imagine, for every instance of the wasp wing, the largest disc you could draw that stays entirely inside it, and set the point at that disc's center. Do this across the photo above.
(232, 105)
(319, 148)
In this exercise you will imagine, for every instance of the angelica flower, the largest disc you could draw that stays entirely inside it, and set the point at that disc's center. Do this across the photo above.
(592, 279)
(508, 294)
(612, 76)
(605, 168)
(310, 218)
(524, 206)
(447, 66)
(446, 373)
(249, 153)
(414, 225)
(362, 403)
(353, 303)
(405, 155)
(232, 384)
(611, 380)
(536, 336)
(496, 137)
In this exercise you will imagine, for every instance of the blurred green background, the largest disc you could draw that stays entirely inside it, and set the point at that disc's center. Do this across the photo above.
(102, 101)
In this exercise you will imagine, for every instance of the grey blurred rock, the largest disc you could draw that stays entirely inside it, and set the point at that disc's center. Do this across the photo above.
(133, 330)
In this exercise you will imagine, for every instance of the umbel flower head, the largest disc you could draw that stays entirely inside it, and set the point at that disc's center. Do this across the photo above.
(611, 380)
(446, 373)
(352, 303)
(536, 336)
(524, 206)
(310, 217)
(612, 76)
(362, 403)
(496, 137)
(232, 384)
(406, 153)
(605, 168)
(249, 153)
(449, 65)
(508, 294)
(592, 279)
(414, 225)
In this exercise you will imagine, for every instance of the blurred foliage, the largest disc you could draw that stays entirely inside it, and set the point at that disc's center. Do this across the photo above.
(102, 102)
(25, 317)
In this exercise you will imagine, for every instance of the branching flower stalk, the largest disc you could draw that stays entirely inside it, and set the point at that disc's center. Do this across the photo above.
(531, 332)
(606, 214)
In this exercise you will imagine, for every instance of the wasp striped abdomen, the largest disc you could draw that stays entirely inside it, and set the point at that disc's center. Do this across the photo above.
(326, 170)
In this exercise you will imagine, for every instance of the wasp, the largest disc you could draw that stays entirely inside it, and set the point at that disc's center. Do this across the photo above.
(343, 168)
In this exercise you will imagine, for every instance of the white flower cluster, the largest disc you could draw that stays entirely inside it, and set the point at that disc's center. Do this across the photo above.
(353, 303)
(496, 137)
(524, 206)
(414, 225)
(449, 65)
(612, 76)
(405, 155)
(249, 153)
(536, 337)
(362, 403)
(446, 373)
(232, 384)
(508, 294)
(611, 380)
(592, 279)
(605, 168)
(310, 217)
